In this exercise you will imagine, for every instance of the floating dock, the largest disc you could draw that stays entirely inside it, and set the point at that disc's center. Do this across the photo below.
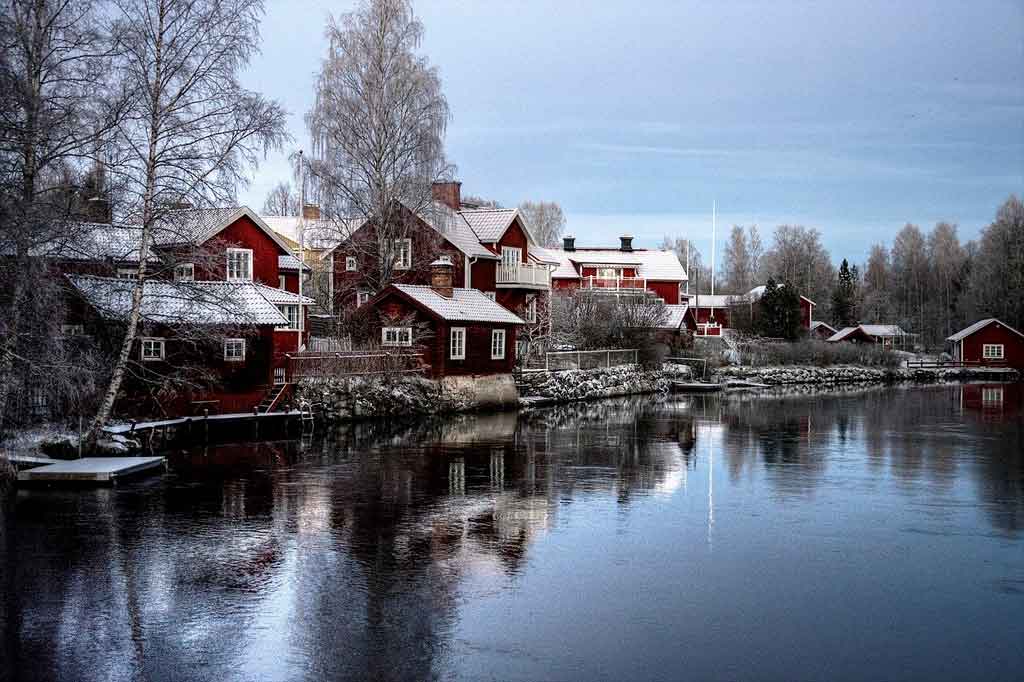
(695, 387)
(94, 470)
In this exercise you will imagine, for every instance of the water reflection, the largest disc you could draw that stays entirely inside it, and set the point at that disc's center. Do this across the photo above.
(440, 548)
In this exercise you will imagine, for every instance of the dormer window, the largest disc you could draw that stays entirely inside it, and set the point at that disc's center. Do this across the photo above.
(239, 266)
(184, 272)
(351, 265)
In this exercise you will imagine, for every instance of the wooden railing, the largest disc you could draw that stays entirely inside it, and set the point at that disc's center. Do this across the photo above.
(585, 359)
(353, 363)
(939, 364)
(614, 283)
(527, 274)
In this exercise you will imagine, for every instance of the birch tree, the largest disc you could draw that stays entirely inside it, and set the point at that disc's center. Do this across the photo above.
(545, 220)
(740, 259)
(997, 271)
(54, 111)
(378, 127)
(193, 131)
(282, 200)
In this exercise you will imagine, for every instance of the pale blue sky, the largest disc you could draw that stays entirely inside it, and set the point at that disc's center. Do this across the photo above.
(852, 117)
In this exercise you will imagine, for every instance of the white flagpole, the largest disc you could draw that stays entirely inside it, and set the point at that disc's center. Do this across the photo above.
(301, 235)
(714, 240)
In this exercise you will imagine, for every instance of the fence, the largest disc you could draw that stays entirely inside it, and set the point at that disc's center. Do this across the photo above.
(939, 364)
(586, 359)
(353, 363)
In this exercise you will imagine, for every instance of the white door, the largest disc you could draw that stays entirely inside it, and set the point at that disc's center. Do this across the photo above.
(511, 257)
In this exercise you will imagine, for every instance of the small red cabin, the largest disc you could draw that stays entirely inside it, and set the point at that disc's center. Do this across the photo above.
(989, 342)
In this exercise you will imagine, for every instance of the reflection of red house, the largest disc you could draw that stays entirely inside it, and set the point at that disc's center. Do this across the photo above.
(993, 401)
(460, 331)
(989, 342)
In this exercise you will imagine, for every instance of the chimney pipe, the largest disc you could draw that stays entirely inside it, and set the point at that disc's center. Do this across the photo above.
(441, 276)
(448, 193)
(569, 243)
(626, 242)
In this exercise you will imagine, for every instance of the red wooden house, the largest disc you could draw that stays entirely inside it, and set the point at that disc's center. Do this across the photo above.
(461, 331)
(989, 342)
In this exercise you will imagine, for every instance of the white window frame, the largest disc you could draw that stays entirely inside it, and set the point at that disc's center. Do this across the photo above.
(181, 268)
(351, 264)
(403, 254)
(127, 273)
(511, 256)
(362, 296)
(287, 309)
(72, 330)
(282, 282)
(531, 309)
(457, 343)
(154, 342)
(498, 347)
(240, 277)
(234, 358)
(396, 336)
(993, 351)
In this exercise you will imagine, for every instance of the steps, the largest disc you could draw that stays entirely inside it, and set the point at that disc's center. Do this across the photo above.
(271, 399)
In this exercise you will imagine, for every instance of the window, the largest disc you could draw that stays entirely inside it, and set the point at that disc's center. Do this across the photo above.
(396, 336)
(281, 279)
(992, 351)
(151, 349)
(497, 344)
(350, 264)
(72, 330)
(239, 265)
(457, 350)
(234, 350)
(491, 295)
(403, 254)
(127, 273)
(184, 272)
(531, 309)
(292, 313)
(362, 297)
(608, 273)
(992, 396)
(511, 256)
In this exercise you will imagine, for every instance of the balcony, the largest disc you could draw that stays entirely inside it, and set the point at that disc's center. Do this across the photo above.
(525, 275)
(613, 284)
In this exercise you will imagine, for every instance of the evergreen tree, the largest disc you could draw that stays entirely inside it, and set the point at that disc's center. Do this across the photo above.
(844, 298)
(768, 317)
(788, 302)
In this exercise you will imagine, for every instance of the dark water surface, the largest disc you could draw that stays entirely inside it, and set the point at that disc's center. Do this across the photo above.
(873, 535)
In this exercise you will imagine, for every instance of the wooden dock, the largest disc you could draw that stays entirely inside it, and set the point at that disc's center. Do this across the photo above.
(94, 470)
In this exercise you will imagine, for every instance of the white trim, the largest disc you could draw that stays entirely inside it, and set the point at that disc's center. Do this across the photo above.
(457, 350)
(998, 351)
(400, 336)
(232, 357)
(158, 342)
(72, 330)
(498, 348)
(244, 277)
(362, 296)
(531, 309)
(128, 273)
(181, 268)
(281, 281)
(286, 308)
(351, 264)
(400, 262)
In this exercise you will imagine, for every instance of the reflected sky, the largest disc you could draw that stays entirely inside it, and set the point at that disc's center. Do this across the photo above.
(871, 533)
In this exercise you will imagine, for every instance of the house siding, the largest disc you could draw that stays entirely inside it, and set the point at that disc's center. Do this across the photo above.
(243, 234)
(996, 332)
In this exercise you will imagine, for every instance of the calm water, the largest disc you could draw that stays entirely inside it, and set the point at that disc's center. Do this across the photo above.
(876, 535)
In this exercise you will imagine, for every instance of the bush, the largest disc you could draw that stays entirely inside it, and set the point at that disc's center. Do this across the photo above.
(758, 353)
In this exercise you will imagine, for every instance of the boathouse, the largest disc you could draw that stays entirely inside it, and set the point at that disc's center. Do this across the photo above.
(460, 331)
(989, 342)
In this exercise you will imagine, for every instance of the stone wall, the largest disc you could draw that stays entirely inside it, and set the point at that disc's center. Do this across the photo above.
(839, 374)
(544, 388)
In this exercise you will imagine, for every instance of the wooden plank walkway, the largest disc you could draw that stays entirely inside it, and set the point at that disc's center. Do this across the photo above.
(123, 429)
(98, 470)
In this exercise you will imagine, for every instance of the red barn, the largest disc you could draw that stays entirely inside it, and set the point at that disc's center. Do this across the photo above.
(989, 342)
(461, 331)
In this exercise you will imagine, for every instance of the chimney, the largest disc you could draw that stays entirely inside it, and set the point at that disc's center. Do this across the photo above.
(568, 243)
(448, 193)
(441, 276)
(311, 212)
(626, 242)
(98, 210)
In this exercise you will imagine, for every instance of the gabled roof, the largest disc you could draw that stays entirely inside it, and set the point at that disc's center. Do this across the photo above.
(842, 333)
(167, 302)
(285, 262)
(817, 324)
(282, 297)
(544, 255)
(651, 264)
(757, 292)
(465, 305)
(875, 330)
(454, 227)
(198, 225)
(676, 313)
(977, 327)
(490, 224)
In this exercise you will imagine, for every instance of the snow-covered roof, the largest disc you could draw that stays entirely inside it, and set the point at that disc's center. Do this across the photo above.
(168, 302)
(757, 292)
(876, 330)
(198, 225)
(282, 297)
(489, 224)
(92, 241)
(289, 263)
(676, 313)
(842, 334)
(544, 255)
(817, 324)
(716, 301)
(453, 227)
(978, 326)
(651, 264)
(465, 305)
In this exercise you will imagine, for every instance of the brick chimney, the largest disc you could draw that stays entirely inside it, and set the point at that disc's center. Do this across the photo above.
(441, 276)
(626, 242)
(448, 193)
(568, 243)
(97, 210)
(311, 212)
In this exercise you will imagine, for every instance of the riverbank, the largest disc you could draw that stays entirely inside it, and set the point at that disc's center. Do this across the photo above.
(838, 374)
(552, 388)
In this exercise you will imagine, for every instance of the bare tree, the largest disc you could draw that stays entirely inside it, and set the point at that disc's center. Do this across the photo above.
(378, 128)
(688, 254)
(193, 130)
(997, 273)
(740, 259)
(54, 112)
(877, 303)
(545, 221)
(947, 259)
(910, 277)
(798, 257)
(282, 200)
